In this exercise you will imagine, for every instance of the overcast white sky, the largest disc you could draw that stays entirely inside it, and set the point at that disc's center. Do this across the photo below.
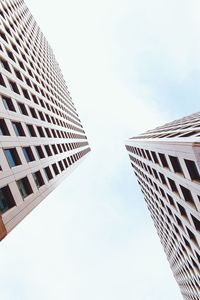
(130, 66)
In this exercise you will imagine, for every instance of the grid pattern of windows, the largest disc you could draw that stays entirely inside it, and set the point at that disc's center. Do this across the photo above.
(168, 173)
(187, 127)
(41, 135)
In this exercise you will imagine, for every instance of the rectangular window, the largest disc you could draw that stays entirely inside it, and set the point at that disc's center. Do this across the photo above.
(69, 161)
(154, 157)
(6, 199)
(26, 94)
(3, 128)
(14, 87)
(28, 82)
(18, 74)
(173, 185)
(31, 130)
(182, 210)
(24, 187)
(5, 64)
(12, 157)
(8, 104)
(196, 223)
(19, 131)
(48, 173)
(40, 131)
(65, 163)
(40, 152)
(55, 168)
(192, 169)
(48, 132)
(54, 149)
(2, 82)
(187, 195)
(28, 154)
(163, 160)
(10, 55)
(22, 109)
(48, 150)
(61, 165)
(38, 179)
(175, 164)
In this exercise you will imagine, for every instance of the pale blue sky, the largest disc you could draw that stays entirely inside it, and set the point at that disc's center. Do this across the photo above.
(130, 66)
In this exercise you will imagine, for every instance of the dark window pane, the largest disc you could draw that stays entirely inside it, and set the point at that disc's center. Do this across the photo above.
(6, 199)
(38, 179)
(12, 157)
(24, 187)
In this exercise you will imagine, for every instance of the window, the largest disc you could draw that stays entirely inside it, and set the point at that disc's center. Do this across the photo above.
(24, 187)
(18, 74)
(155, 173)
(65, 163)
(14, 87)
(69, 161)
(21, 64)
(28, 82)
(2, 82)
(173, 185)
(61, 165)
(6, 199)
(192, 236)
(175, 164)
(162, 177)
(179, 221)
(40, 131)
(12, 157)
(17, 126)
(28, 154)
(48, 173)
(48, 132)
(187, 195)
(26, 94)
(3, 128)
(38, 179)
(154, 157)
(54, 149)
(10, 55)
(41, 116)
(2, 35)
(40, 152)
(34, 98)
(8, 104)
(48, 150)
(192, 169)
(196, 223)
(182, 210)
(31, 130)
(22, 109)
(163, 160)
(171, 201)
(5, 65)
(55, 168)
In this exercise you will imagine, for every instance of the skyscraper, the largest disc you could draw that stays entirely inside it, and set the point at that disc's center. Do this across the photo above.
(166, 162)
(41, 136)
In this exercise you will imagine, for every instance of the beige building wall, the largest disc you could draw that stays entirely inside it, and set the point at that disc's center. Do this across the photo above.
(166, 162)
(41, 135)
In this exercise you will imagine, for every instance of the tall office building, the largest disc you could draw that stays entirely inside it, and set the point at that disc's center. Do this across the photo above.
(41, 136)
(166, 162)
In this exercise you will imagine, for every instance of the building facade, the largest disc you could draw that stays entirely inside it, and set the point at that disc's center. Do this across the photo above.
(41, 136)
(166, 162)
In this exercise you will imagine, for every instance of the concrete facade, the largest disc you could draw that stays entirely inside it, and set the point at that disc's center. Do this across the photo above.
(166, 162)
(41, 136)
